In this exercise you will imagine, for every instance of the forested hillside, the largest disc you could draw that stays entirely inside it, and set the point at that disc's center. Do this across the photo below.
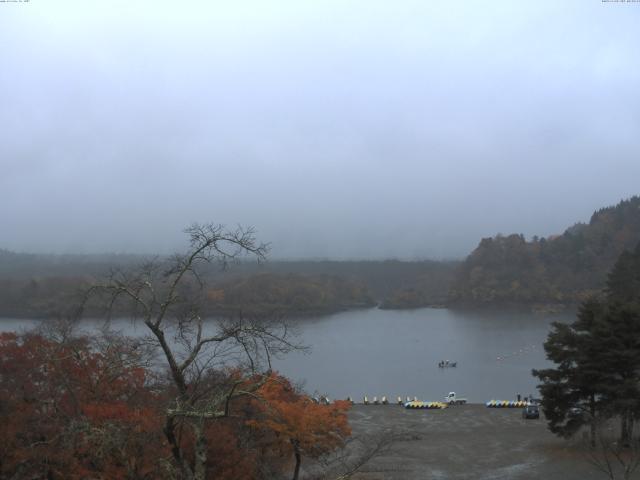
(543, 273)
(548, 272)
(41, 286)
(288, 294)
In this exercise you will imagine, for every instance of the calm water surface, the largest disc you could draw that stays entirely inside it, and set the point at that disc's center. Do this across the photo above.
(378, 352)
(385, 352)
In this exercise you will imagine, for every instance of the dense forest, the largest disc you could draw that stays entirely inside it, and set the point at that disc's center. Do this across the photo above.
(41, 286)
(541, 273)
(291, 293)
(551, 272)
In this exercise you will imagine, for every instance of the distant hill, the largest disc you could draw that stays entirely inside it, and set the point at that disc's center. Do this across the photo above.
(543, 273)
(291, 294)
(42, 286)
(551, 272)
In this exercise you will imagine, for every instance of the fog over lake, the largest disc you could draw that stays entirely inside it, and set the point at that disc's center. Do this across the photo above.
(360, 129)
(394, 352)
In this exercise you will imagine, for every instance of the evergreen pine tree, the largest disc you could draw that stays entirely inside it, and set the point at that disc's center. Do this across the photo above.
(597, 373)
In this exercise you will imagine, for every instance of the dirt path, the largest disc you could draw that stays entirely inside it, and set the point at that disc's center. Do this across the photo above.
(469, 442)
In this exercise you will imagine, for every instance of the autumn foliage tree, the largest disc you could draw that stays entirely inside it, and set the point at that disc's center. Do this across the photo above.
(76, 409)
(191, 400)
(298, 426)
(92, 407)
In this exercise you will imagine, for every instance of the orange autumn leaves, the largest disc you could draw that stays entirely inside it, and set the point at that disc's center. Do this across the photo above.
(65, 412)
(77, 409)
(298, 421)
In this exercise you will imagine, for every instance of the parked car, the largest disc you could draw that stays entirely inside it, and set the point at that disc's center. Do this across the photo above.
(531, 411)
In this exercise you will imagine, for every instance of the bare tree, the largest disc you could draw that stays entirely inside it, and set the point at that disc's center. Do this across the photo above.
(168, 297)
(612, 457)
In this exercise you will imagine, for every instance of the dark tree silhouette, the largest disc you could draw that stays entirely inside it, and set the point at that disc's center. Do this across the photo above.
(597, 372)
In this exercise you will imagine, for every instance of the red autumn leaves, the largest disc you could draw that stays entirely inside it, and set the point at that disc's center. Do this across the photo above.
(77, 409)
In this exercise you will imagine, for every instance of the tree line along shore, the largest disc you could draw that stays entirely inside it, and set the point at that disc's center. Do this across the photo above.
(207, 404)
(542, 274)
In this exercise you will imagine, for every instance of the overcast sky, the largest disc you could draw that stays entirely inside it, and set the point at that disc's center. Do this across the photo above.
(339, 129)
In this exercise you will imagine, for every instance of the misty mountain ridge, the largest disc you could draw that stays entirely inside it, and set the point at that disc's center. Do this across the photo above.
(505, 270)
(548, 272)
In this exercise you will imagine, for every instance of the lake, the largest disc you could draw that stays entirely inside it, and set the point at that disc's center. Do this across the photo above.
(396, 352)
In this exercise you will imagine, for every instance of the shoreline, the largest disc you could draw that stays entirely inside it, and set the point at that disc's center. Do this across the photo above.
(469, 442)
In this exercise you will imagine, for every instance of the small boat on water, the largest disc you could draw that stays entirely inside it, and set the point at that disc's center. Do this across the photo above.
(447, 364)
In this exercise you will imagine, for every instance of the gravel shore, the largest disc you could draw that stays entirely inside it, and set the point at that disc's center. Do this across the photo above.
(468, 442)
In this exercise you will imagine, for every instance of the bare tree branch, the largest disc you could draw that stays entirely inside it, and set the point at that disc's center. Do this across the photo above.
(168, 297)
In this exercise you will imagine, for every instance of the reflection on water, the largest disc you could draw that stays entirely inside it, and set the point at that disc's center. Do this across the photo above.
(385, 352)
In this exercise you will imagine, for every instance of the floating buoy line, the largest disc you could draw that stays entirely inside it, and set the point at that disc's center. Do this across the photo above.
(521, 351)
